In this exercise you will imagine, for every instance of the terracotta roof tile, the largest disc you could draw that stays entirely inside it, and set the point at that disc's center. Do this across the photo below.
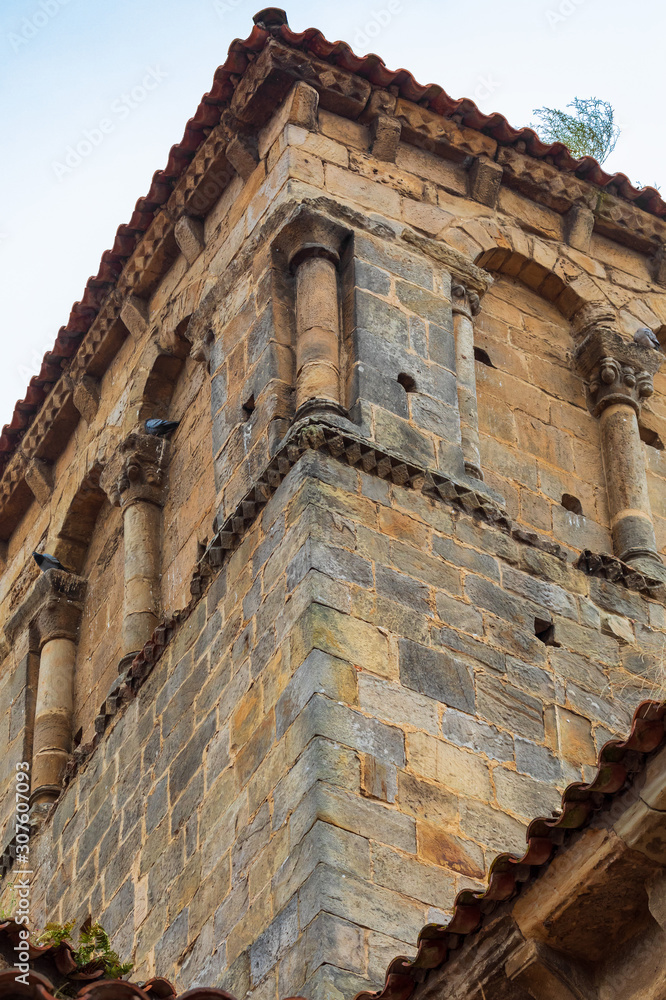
(207, 115)
(619, 760)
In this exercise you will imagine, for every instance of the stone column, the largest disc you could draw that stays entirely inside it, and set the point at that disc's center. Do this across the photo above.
(51, 613)
(310, 246)
(317, 330)
(134, 481)
(465, 305)
(619, 376)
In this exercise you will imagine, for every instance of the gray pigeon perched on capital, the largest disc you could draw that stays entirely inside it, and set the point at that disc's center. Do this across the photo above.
(646, 338)
(45, 561)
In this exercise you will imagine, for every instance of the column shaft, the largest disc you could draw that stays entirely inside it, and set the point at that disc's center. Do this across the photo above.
(317, 331)
(52, 741)
(463, 332)
(141, 529)
(626, 482)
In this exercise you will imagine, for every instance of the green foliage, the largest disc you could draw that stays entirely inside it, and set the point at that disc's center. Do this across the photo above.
(55, 934)
(93, 952)
(12, 899)
(95, 947)
(589, 131)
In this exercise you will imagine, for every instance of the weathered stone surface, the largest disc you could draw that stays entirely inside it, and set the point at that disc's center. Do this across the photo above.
(358, 679)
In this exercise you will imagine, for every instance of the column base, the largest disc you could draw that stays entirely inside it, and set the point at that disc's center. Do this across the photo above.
(314, 406)
(124, 663)
(647, 563)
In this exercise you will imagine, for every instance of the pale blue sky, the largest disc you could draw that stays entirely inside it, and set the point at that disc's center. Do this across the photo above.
(84, 55)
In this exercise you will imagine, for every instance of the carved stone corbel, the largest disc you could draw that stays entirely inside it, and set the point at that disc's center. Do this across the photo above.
(385, 137)
(465, 305)
(189, 234)
(39, 478)
(135, 480)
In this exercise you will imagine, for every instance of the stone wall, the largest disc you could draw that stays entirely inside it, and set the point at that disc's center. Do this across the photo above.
(348, 728)
(378, 686)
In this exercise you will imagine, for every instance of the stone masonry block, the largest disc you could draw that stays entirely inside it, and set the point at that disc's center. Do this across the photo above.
(359, 901)
(456, 769)
(322, 717)
(367, 818)
(378, 779)
(319, 672)
(353, 640)
(437, 675)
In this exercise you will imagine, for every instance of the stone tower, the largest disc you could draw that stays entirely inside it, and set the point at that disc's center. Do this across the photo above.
(319, 654)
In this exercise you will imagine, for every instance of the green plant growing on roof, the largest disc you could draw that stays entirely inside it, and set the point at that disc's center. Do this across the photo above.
(93, 951)
(590, 131)
(12, 899)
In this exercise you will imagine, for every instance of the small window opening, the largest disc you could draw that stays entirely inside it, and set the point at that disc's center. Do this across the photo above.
(407, 382)
(544, 630)
(248, 407)
(572, 503)
(483, 357)
(651, 438)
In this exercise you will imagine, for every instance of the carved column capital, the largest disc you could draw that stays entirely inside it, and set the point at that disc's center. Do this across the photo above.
(310, 234)
(616, 371)
(464, 301)
(52, 608)
(137, 471)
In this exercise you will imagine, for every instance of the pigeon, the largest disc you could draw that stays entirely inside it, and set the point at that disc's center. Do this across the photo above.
(45, 561)
(160, 428)
(646, 338)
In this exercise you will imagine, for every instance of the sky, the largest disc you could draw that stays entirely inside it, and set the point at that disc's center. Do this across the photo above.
(126, 76)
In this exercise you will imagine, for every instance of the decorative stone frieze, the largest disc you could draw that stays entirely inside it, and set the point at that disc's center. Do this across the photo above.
(466, 304)
(134, 480)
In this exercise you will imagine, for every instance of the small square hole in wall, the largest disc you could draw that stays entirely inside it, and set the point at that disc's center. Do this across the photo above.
(572, 503)
(544, 630)
(248, 407)
(651, 438)
(483, 357)
(407, 382)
